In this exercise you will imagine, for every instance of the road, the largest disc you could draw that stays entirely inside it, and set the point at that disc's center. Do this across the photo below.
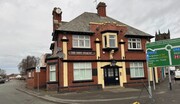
(162, 95)
(9, 95)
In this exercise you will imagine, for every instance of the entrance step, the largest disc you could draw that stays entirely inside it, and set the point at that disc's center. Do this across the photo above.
(119, 89)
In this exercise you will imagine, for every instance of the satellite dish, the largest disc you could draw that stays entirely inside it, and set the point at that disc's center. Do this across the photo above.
(60, 54)
(59, 49)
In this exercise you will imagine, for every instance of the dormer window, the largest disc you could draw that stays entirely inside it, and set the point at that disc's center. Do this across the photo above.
(134, 43)
(109, 40)
(81, 41)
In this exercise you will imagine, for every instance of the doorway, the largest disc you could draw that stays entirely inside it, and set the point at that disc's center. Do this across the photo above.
(111, 76)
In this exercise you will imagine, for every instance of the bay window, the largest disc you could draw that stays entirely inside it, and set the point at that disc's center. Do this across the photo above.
(110, 40)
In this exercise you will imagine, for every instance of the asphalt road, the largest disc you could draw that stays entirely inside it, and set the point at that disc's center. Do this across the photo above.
(9, 95)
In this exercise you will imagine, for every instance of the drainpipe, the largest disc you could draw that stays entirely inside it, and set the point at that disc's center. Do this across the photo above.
(58, 75)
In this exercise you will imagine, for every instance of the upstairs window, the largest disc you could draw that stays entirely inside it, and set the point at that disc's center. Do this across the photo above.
(81, 41)
(112, 41)
(134, 43)
(109, 40)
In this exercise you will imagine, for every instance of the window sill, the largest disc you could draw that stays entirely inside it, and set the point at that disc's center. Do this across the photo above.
(52, 82)
(139, 50)
(76, 49)
(109, 49)
(83, 81)
(137, 78)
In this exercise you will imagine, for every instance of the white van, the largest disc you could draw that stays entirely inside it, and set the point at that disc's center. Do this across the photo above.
(177, 74)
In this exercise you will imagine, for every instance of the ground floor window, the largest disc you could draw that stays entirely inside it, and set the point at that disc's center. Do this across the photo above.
(136, 69)
(82, 71)
(29, 74)
(52, 73)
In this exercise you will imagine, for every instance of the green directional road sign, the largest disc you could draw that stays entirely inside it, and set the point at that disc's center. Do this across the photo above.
(163, 53)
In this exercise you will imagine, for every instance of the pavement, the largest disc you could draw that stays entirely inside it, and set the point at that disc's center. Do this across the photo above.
(114, 95)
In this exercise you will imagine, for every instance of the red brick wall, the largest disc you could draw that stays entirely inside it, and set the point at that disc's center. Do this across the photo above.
(32, 81)
(98, 28)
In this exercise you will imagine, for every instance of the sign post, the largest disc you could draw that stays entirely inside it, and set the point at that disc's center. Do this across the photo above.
(38, 71)
(163, 53)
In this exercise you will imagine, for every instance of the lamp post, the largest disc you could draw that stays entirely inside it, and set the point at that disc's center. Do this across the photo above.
(113, 62)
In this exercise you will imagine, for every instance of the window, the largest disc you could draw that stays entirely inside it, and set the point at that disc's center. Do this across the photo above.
(32, 74)
(105, 41)
(29, 74)
(110, 40)
(81, 41)
(134, 43)
(82, 71)
(52, 73)
(136, 69)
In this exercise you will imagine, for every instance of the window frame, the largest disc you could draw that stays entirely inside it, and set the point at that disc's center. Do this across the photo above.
(114, 41)
(77, 39)
(82, 67)
(52, 71)
(107, 40)
(136, 42)
(29, 74)
(135, 70)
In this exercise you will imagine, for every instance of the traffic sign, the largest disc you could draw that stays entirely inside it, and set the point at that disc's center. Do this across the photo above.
(38, 69)
(163, 53)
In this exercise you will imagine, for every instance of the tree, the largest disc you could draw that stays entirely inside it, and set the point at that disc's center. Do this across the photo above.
(28, 62)
(2, 72)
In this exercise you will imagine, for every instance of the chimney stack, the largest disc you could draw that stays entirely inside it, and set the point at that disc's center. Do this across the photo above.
(101, 9)
(57, 17)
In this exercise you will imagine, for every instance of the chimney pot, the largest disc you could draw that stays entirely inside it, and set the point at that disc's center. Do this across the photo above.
(101, 9)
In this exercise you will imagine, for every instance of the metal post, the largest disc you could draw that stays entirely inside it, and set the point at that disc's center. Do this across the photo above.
(153, 74)
(38, 81)
(170, 84)
(149, 84)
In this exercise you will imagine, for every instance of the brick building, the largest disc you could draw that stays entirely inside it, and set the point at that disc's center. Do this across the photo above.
(94, 51)
(32, 78)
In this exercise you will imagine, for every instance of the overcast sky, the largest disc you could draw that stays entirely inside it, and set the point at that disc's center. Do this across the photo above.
(26, 25)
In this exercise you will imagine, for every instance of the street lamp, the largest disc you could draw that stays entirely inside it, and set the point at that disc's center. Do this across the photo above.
(113, 62)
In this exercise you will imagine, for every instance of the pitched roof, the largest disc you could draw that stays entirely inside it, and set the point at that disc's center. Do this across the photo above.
(81, 24)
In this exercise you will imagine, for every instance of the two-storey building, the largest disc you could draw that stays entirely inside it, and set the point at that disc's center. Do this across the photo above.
(94, 51)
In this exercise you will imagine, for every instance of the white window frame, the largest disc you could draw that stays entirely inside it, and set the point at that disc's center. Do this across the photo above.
(114, 41)
(29, 74)
(52, 73)
(107, 40)
(78, 39)
(82, 71)
(136, 41)
(136, 69)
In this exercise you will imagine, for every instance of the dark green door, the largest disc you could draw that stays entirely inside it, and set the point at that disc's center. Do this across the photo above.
(111, 76)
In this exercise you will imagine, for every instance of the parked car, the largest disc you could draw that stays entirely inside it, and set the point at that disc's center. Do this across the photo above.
(177, 74)
(2, 80)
